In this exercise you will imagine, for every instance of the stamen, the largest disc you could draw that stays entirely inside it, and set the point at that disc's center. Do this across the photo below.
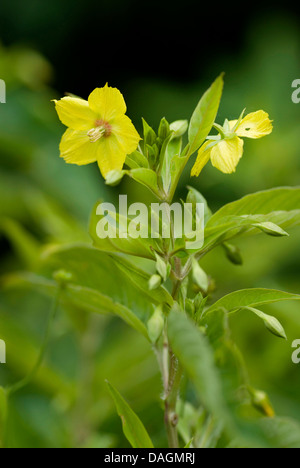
(95, 134)
(101, 129)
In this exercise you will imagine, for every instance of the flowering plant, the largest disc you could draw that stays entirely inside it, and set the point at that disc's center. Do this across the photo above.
(154, 281)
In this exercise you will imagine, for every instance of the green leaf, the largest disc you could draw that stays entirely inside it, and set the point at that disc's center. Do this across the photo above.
(268, 201)
(146, 177)
(281, 432)
(25, 245)
(136, 160)
(196, 356)
(140, 247)
(141, 279)
(133, 428)
(82, 297)
(149, 135)
(251, 298)
(194, 197)
(205, 114)
(280, 206)
(171, 162)
(230, 227)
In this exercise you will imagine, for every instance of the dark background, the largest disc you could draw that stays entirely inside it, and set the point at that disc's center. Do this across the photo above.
(90, 42)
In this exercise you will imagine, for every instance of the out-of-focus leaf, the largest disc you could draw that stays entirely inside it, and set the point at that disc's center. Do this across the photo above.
(133, 428)
(3, 414)
(141, 281)
(136, 160)
(23, 357)
(265, 202)
(85, 298)
(96, 270)
(26, 246)
(281, 432)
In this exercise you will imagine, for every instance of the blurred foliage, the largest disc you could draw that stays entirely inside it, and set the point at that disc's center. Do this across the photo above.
(44, 202)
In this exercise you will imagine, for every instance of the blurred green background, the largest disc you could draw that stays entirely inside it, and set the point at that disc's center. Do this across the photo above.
(162, 57)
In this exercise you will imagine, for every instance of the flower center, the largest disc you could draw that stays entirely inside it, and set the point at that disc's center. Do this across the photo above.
(101, 129)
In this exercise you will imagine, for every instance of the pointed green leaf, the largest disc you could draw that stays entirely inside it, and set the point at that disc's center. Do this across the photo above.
(133, 428)
(251, 298)
(197, 358)
(205, 114)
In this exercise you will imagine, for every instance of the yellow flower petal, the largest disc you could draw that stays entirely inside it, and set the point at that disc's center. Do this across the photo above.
(226, 154)
(202, 159)
(107, 103)
(75, 113)
(255, 125)
(126, 134)
(76, 148)
(111, 155)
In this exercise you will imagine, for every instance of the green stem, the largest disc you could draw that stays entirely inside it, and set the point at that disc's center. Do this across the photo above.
(174, 375)
(24, 382)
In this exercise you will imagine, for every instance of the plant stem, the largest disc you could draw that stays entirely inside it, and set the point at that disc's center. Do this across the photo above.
(174, 374)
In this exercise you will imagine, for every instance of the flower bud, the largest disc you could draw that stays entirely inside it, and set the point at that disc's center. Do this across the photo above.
(114, 177)
(261, 402)
(154, 282)
(164, 129)
(62, 277)
(233, 253)
(271, 323)
(179, 127)
(156, 324)
(200, 277)
(161, 267)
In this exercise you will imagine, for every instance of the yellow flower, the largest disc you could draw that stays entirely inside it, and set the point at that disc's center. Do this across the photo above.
(98, 130)
(226, 149)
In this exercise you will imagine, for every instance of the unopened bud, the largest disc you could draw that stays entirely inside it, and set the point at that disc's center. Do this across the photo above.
(271, 229)
(156, 324)
(164, 129)
(62, 276)
(261, 402)
(154, 282)
(233, 254)
(114, 177)
(179, 127)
